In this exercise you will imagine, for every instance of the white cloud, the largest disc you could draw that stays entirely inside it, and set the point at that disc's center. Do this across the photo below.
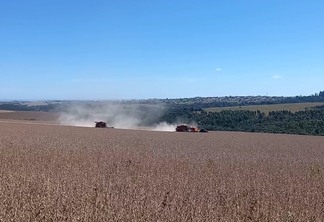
(183, 79)
(218, 69)
(277, 77)
(90, 80)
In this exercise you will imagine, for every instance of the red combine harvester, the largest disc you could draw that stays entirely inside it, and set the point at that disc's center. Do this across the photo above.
(101, 124)
(186, 128)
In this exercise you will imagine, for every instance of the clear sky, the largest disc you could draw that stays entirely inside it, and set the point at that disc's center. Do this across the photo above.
(132, 49)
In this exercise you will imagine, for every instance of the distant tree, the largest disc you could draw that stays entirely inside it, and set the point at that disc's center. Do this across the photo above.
(321, 94)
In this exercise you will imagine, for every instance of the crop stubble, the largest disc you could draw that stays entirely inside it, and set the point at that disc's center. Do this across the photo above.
(86, 174)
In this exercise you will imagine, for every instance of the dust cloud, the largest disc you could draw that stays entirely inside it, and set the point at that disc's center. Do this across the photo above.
(121, 116)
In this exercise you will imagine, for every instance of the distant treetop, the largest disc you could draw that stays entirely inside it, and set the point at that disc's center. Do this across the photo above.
(321, 94)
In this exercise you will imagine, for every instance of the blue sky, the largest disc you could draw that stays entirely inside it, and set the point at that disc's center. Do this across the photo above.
(125, 49)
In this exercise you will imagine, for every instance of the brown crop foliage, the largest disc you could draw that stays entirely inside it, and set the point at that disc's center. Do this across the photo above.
(60, 173)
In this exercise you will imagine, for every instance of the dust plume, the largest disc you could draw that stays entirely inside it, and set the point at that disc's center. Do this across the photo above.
(122, 116)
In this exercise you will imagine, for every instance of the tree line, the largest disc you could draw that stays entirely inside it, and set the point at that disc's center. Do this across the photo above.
(308, 122)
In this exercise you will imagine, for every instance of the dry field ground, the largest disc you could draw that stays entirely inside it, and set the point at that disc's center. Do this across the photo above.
(293, 107)
(61, 173)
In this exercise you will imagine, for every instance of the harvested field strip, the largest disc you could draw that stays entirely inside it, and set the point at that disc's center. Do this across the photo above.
(293, 107)
(87, 174)
(29, 115)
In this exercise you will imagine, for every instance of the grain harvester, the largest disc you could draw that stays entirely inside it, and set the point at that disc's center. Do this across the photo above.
(186, 128)
(101, 124)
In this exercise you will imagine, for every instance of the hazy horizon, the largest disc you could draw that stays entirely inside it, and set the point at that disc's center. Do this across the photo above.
(116, 100)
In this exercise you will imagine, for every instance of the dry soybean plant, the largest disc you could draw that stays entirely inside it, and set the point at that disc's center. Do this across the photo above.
(60, 173)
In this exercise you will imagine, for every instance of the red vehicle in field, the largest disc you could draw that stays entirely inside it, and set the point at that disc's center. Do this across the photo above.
(101, 124)
(186, 128)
